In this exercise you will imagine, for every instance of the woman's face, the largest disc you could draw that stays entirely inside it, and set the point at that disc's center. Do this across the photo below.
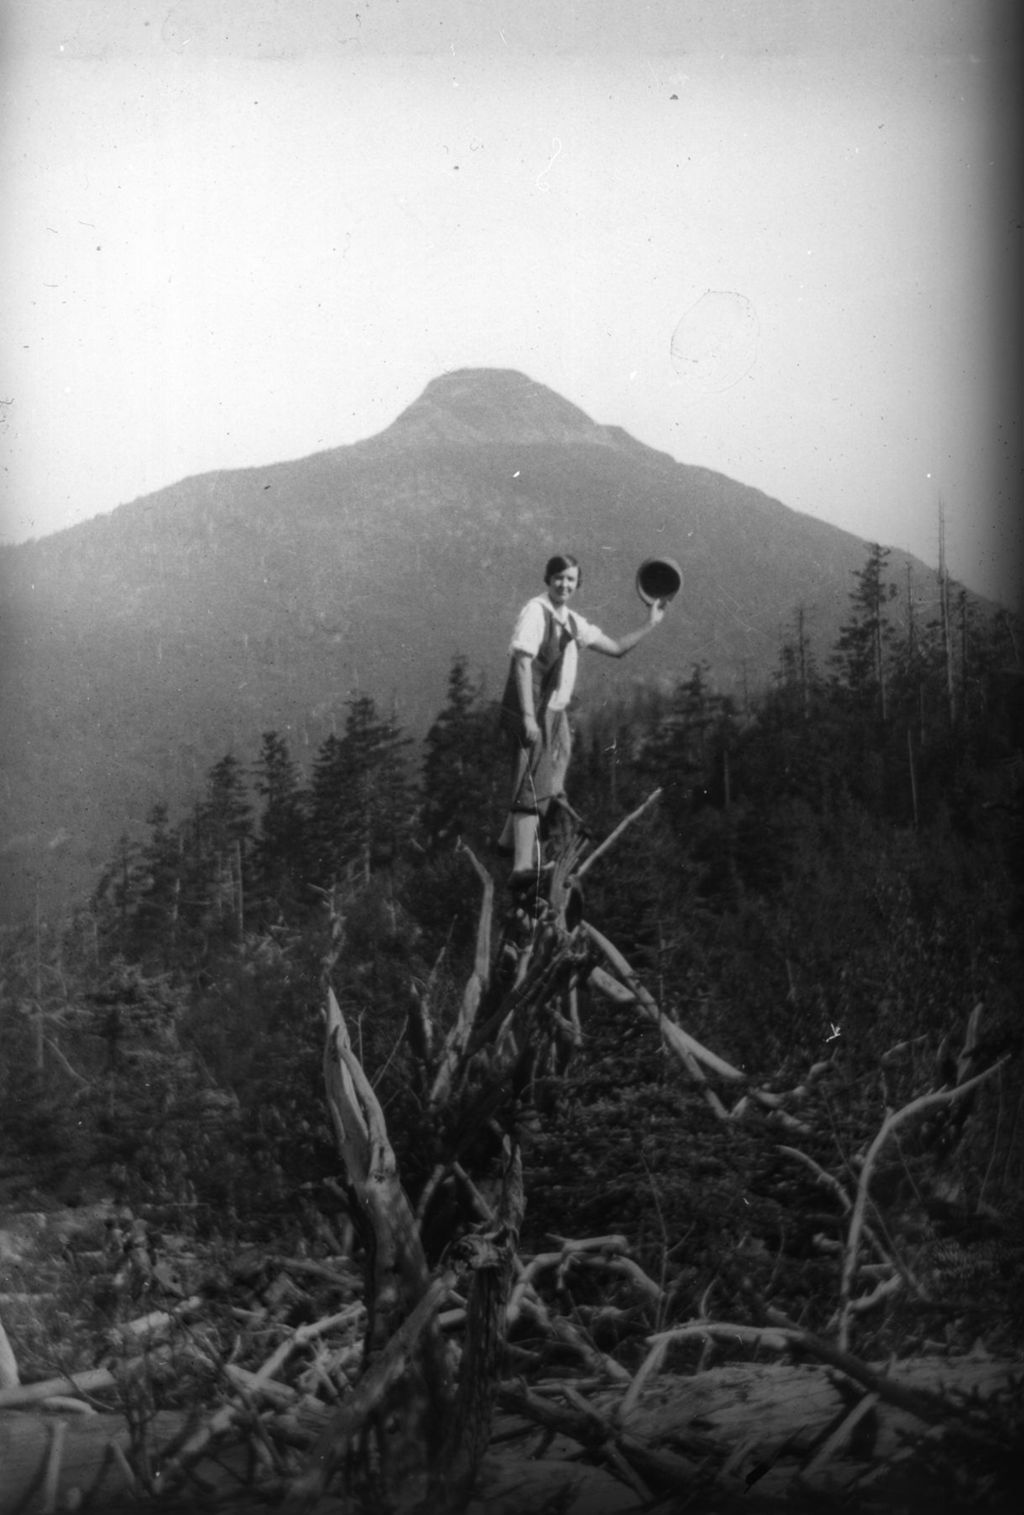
(562, 586)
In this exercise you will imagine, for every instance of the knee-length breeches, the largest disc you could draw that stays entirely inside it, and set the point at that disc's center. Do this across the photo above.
(538, 772)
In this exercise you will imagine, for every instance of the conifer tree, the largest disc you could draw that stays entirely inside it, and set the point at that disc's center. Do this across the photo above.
(862, 651)
(116, 897)
(326, 805)
(280, 845)
(797, 675)
(157, 912)
(461, 761)
(216, 842)
(379, 819)
(680, 749)
(362, 804)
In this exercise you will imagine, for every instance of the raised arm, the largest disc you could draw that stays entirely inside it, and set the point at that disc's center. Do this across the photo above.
(617, 647)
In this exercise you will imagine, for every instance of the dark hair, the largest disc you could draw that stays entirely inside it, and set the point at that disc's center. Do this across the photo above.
(559, 563)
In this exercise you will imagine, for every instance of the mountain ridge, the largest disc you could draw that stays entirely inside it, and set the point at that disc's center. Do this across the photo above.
(146, 642)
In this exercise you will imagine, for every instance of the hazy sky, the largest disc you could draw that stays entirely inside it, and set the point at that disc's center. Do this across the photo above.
(240, 231)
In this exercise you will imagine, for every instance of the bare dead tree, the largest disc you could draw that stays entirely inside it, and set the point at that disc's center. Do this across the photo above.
(424, 1353)
(415, 1427)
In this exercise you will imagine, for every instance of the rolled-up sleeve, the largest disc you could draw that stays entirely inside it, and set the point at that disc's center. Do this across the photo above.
(529, 630)
(586, 631)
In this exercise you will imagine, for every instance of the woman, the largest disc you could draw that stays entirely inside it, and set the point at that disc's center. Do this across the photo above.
(541, 680)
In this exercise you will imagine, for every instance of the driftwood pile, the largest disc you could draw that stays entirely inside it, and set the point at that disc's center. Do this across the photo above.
(795, 1417)
(469, 1376)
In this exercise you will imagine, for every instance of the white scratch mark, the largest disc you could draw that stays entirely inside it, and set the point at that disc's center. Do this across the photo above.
(556, 143)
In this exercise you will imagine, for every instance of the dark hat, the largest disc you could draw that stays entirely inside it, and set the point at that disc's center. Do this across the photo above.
(658, 579)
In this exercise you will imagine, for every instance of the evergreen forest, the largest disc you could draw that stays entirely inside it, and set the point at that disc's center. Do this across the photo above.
(829, 878)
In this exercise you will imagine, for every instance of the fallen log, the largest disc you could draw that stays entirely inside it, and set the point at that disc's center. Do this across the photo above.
(634, 1458)
(35, 1477)
(759, 1430)
(627, 990)
(89, 1382)
(9, 1377)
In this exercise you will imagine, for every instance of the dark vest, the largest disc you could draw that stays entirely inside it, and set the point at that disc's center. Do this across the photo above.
(544, 669)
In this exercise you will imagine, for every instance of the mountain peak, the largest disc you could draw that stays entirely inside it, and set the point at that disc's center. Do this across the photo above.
(471, 405)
